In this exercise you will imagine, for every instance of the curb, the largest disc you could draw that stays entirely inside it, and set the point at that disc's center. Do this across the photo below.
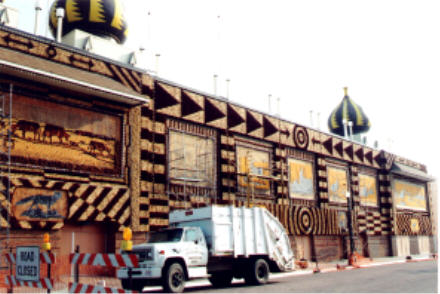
(367, 265)
(420, 259)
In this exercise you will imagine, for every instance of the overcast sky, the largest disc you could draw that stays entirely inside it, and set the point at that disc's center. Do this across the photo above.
(304, 52)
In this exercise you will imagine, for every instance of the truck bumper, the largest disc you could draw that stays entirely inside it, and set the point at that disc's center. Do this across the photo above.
(140, 273)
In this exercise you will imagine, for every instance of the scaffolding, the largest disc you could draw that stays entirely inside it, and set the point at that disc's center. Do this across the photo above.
(6, 135)
(251, 179)
(197, 180)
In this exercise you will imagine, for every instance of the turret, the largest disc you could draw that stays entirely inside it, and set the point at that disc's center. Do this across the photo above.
(348, 119)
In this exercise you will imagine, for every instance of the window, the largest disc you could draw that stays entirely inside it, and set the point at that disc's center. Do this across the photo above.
(171, 235)
(301, 179)
(368, 190)
(408, 195)
(191, 235)
(191, 159)
(337, 184)
(253, 171)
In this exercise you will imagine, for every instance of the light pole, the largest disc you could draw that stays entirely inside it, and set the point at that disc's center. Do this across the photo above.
(60, 13)
(345, 123)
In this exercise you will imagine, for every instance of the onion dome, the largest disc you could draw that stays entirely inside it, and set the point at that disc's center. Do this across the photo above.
(103, 18)
(350, 111)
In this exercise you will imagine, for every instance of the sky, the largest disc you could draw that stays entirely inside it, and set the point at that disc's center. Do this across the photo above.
(305, 52)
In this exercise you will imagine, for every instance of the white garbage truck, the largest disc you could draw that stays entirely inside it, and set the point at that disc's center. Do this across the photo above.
(217, 242)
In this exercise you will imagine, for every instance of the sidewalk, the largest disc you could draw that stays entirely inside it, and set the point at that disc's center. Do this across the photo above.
(342, 264)
(324, 267)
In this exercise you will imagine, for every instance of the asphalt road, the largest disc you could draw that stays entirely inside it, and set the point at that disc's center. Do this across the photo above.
(416, 277)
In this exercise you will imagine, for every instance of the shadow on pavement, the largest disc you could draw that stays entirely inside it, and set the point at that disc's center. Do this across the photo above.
(236, 285)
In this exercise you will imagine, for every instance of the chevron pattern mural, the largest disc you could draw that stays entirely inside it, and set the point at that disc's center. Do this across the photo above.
(88, 201)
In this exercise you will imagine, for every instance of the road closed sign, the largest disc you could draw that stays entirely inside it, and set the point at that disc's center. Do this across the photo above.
(28, 263)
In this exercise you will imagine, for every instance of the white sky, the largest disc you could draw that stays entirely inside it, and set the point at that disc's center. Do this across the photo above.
(386, 51)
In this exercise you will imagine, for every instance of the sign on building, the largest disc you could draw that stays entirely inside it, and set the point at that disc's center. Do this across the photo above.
(28, 263)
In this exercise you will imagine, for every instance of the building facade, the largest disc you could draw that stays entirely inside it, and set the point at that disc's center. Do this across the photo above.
(96, 145)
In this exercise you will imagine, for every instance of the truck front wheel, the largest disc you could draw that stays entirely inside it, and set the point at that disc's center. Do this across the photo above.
(174, 279)
(221, 279)
(257, 273)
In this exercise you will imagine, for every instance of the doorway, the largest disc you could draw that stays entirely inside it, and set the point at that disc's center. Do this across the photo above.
(91, 238)
(364, 244)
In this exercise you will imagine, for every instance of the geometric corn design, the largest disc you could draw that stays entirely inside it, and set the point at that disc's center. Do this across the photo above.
(302, 220)
(403, 224)
(87, 202)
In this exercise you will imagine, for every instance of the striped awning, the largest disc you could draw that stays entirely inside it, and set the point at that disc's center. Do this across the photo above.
(350, 111)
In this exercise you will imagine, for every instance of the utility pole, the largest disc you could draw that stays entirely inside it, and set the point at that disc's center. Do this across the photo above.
(349, 223)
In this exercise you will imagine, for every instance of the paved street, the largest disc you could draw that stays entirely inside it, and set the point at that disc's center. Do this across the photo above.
(416, 277)
(401, 278)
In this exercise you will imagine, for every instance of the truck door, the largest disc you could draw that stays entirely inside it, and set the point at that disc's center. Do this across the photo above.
(195, 248)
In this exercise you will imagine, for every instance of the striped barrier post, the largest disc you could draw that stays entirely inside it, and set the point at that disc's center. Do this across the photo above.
(110, 260)
(85, 288)
(44, 283)
(100, 259)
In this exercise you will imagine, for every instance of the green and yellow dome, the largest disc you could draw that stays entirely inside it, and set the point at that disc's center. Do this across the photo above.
(350, 111)
(99, 17)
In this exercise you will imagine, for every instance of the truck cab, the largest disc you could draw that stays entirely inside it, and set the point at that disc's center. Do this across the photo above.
(168, 258)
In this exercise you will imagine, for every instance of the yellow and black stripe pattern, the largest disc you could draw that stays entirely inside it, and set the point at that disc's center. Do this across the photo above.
(350, 111)
(100, 17)
(87, 201)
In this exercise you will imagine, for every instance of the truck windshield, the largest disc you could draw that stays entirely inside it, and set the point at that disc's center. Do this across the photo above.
(173, 235)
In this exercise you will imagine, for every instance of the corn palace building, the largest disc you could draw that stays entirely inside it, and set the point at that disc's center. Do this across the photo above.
(92, 144)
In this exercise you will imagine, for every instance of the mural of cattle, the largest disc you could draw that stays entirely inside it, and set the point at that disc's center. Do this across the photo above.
(27, 126)
(96, 146)
(50, 131)
(4, 127)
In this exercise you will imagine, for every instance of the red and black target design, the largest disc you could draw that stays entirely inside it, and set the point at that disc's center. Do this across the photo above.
(305, 220)
(312, 220)
(300, 137)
